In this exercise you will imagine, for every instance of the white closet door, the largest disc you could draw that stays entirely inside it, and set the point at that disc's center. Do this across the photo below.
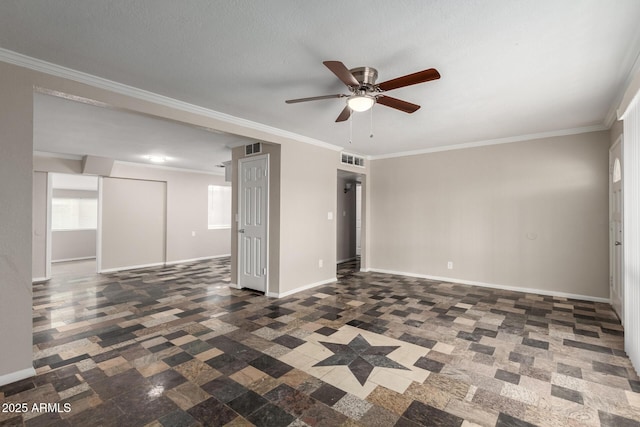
(133, 223)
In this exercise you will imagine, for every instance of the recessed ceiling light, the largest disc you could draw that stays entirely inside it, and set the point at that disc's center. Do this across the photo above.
(156, 159)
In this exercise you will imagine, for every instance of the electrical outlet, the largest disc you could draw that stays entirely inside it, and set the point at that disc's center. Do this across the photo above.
(320, 263)
(450, 265)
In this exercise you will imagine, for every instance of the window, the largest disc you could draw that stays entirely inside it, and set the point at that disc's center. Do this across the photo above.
(74, 214)
(617, 173)
(219, 206)
(351, 159)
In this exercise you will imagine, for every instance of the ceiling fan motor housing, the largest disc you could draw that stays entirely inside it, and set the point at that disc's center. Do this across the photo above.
(365, 75)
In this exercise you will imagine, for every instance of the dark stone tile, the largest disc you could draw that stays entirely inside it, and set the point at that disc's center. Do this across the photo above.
(505, 420)
(271, 366)
(566, 394)
(429, 364)
(611, 420)
(119, 384)
(289, 341)
(50, 419)
(270, 415)
(65, 383)
(247, 403)
(167, 379)
(178, 418)
(425, 415)
(196, 347)
(481, 348)
(586, 333)
(17, 387)
(177, 359)
(326, 331)
(328, 394)
(609, 369)
(422, 342)
(507, 376)
(635, 386)
(106, 414)
(586, 346)
(224, 389)
(536, 343)
(212, 413)
(291, 400)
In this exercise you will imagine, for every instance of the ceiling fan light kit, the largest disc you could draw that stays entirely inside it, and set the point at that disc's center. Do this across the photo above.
(361, 82)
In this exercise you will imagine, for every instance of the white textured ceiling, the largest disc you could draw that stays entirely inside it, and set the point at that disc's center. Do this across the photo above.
(509, 67)
(69, 127)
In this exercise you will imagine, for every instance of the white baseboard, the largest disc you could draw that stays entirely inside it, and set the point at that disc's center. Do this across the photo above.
(340, 261)
(131, 267)
(302, 288)
(17, 376)
(203, 258)
(40, 279)
(495, 286)
(73, 259)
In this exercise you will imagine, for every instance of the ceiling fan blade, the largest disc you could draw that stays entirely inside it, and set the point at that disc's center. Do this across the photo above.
(342, 72)
(398, 104)
(313, 98)
(346, 113)
(410, 79)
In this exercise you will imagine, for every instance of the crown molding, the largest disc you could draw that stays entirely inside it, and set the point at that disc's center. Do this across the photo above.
(563, 132)
(170, 168)
(21, 60)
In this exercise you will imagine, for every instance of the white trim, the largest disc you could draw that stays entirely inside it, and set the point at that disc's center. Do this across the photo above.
(171, 168)
(494, 286)
(340, 261)
(48, 251)
(132, 267)
(78, 76)
(17, 376)
(507, 140)
(302, 288)
(202, 258)
(73, 259)
(57, 155)
(234, 286)
(39, 279)
(99, 226)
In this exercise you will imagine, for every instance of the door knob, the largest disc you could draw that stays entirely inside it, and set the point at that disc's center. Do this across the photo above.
(618, 243)
(242, 231)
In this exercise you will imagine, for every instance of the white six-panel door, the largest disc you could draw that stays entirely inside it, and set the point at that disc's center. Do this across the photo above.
(252, 225)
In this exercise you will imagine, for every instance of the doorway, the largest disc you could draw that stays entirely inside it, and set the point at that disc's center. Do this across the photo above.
(349, 224)
(616, 282)
(72, 201)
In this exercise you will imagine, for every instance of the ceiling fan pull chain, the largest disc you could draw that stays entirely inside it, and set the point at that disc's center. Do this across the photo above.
(371, 124)
(350, 128)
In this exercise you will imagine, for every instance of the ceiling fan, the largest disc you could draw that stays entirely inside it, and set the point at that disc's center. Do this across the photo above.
(365, 92)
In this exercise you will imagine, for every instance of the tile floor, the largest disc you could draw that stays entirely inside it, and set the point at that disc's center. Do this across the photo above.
(176, 346)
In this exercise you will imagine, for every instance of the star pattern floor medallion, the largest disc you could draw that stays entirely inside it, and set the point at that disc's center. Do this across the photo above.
(360, 357)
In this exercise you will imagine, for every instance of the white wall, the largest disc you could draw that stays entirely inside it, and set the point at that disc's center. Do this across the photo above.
(531, 214)
(133, 223)
(68, 245)
(16, 145)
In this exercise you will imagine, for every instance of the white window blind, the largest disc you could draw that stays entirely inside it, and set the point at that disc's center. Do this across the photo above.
(219, 206)
(74, 214)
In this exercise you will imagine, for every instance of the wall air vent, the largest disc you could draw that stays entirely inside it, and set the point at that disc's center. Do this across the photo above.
(352, 159)
(251, 149)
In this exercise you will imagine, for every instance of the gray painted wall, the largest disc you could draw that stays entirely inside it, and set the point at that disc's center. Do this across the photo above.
(16, 187)
(39, 244)
(73, 244)
(531, 214)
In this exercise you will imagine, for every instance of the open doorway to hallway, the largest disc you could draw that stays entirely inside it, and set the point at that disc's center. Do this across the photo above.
(349, 223)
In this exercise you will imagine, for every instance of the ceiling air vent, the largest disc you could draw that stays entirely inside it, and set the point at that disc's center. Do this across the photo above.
(255, 148)
(352, 159)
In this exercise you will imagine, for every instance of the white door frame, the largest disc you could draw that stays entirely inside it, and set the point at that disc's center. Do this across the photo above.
(612, 230)
(266, 225)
